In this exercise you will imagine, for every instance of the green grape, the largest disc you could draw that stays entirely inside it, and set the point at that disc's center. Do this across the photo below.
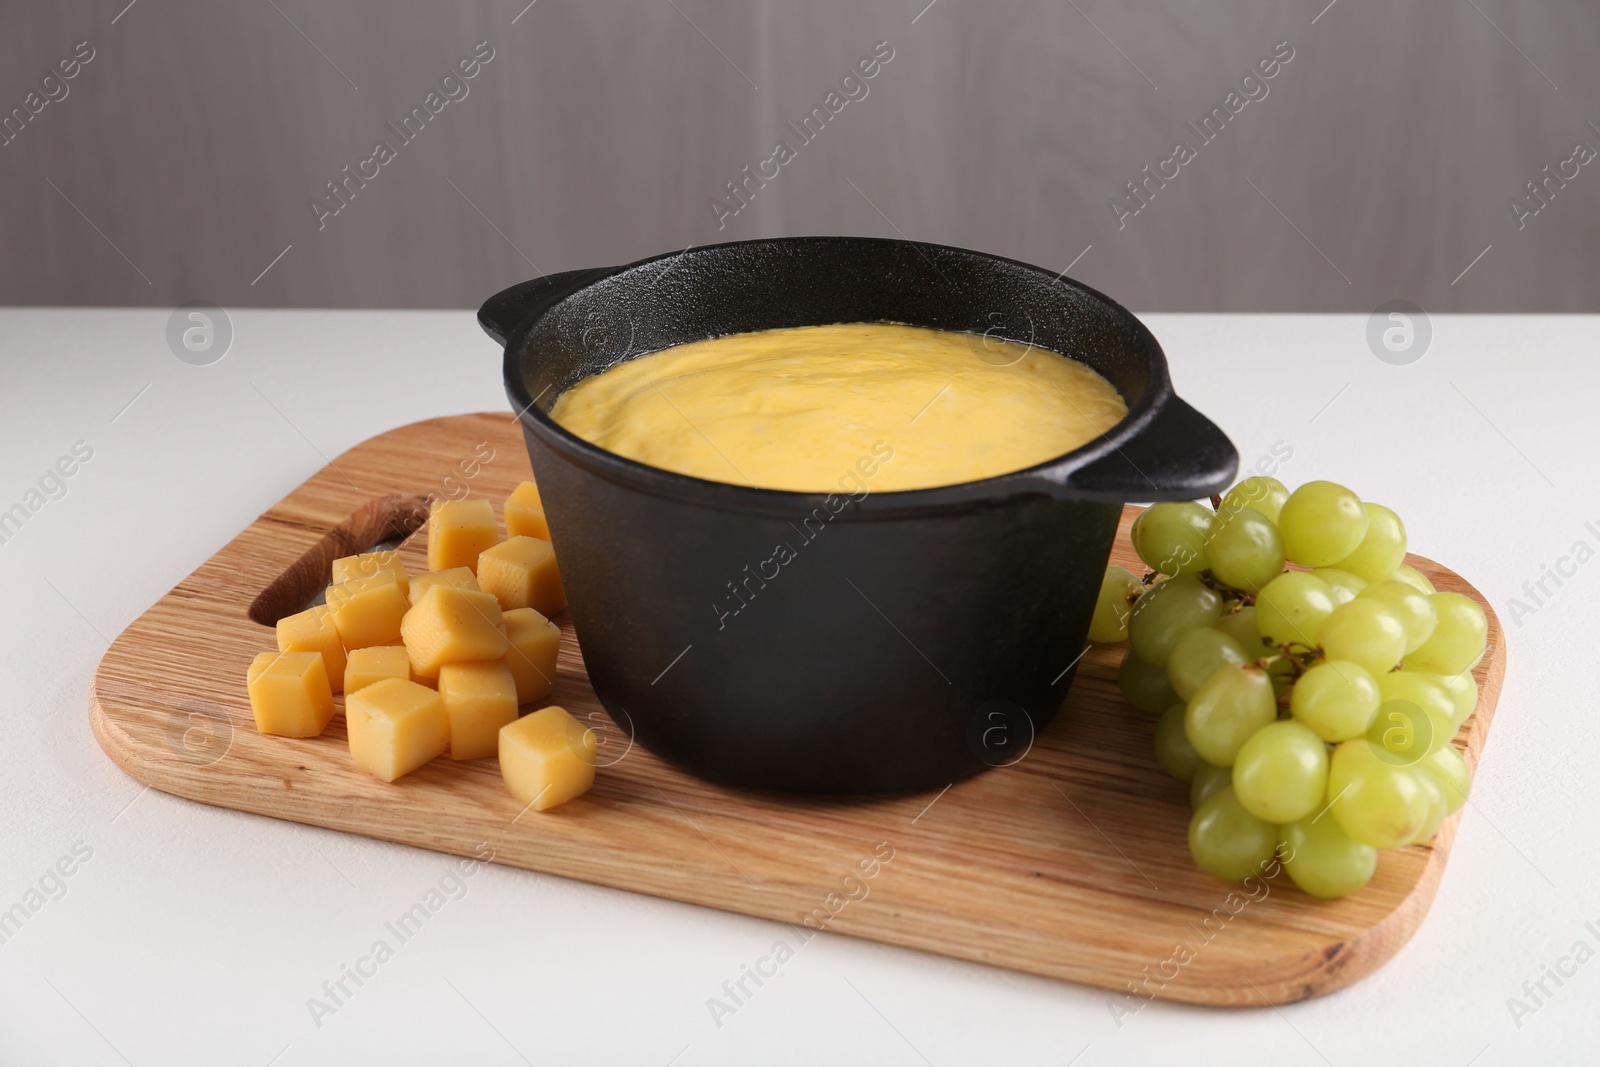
(1336, 700)
(1282, 672)
(1344, 586)
(1118, 591)
(1437, 807)
(1281, 773)
(1166, 613)
(1426, 691)
(1449, 769)
(1173, 750)
(1227, 840)
(1374, 801)
(1199, 652)
(1465, 691)
(1229, 706)
(1382, 549)
(1401, 734)
(1416, 610)
(1458, 640)
(1239, 623)
(1292, 607)
(1145, 686)
(1323, 860)
(1368, 632)
(1208, 779)
(1264, 494)
(1416, 715)
(1171, 536)
(1322, 523)
(1246, 551)
(1413, 577)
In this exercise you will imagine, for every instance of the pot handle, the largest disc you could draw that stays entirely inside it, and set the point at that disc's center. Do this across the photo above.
(1178, 454)
(506, 310)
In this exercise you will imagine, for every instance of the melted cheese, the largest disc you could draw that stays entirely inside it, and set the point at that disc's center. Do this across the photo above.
(809, 408)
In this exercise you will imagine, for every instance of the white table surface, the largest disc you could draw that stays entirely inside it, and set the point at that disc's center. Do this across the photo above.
(194, 935)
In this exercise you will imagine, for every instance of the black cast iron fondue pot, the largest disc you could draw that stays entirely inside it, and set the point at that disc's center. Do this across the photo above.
(848, 642)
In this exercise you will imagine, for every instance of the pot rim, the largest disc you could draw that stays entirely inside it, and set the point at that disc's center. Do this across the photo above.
(1048, 477)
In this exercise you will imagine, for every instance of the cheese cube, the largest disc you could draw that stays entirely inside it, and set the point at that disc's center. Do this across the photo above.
(460, 577)
(367, 611)
(312, 630)
(458, 530)
(367, 665)
(450, 625)
(535, 640)
(479, 698)
(547, 758)
(289, 693)
(525, 513)
(395, 726)
(521, 573)
(367, 564)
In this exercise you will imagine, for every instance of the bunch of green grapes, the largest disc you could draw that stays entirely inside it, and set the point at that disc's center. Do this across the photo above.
(1311, 710)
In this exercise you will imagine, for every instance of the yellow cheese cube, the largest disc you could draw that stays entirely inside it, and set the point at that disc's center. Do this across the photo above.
(312, 630)
(460, 577)
(450, 625)
(395, 726)
(522, 573)
(535, 640)
(289, 693)
(458, 530)
(367, 564)
(367, 611)
(525, 513)
(479, 698)
(547, 758)
(367, 665)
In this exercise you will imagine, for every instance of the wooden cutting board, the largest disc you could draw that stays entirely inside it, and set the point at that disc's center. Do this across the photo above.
(1069, 863)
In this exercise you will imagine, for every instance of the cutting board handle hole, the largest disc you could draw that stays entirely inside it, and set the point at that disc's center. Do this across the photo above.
(385, 519)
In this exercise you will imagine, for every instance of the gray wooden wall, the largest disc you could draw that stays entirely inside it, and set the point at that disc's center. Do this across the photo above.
(182, 159)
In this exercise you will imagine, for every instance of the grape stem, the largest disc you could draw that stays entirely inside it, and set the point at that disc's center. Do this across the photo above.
(1209, 580)
(1302, 661)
